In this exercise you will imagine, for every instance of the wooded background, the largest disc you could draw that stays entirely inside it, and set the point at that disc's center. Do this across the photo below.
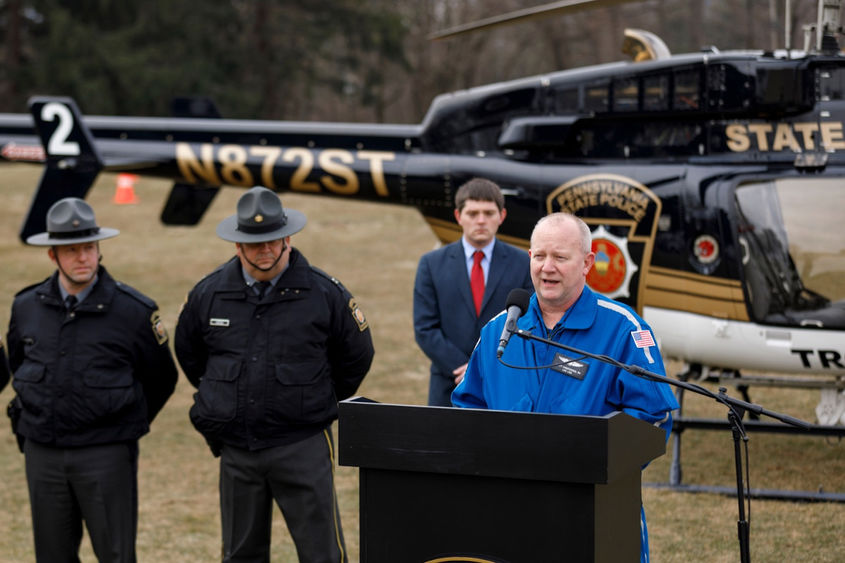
(334, 60)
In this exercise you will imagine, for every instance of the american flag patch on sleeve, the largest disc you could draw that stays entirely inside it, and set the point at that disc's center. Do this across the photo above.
(642, 338)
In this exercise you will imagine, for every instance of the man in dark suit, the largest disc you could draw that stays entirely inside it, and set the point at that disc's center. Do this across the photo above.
(462, 285)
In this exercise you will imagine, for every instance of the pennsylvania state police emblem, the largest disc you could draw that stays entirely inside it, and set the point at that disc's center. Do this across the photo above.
(158, 328)
(358, 315)
(622, 215)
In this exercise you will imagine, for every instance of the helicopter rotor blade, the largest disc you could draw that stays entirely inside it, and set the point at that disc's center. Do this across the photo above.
(553, 8)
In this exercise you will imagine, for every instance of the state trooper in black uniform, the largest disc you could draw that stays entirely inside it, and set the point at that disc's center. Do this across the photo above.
(272, 343)
(91, 369)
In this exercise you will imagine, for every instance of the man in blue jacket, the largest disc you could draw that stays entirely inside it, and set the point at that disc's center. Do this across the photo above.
(565, 310)
(462, 285)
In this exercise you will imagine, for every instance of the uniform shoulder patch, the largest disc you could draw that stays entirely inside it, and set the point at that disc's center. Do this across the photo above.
(358, 315)
(642, 338)
(159, 331)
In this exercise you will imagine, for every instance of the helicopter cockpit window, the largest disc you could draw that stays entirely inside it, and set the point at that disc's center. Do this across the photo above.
(626, 95)
(638, 139)
(687, 90)
(793, 253)
(656, 93)
(597, 97)
(566, 101)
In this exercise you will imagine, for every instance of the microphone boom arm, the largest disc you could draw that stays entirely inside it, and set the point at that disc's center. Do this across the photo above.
(736, 409)
(721, 397)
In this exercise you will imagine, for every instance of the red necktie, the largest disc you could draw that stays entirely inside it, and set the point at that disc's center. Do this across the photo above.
(476, 281)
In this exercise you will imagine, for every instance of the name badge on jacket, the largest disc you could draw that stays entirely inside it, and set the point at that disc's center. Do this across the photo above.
(570, 367)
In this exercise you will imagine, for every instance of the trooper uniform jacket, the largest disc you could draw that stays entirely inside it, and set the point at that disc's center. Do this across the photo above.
(98, 374)
(270, 372)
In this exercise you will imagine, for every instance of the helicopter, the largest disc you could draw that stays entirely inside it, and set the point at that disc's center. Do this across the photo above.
(710, 181)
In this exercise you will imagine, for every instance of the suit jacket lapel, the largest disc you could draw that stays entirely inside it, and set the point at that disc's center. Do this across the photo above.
(458, 272)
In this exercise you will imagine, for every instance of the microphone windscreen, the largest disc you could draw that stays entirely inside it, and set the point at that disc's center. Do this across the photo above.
(518, 297)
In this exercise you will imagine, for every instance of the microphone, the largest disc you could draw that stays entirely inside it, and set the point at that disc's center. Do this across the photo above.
(517, 305)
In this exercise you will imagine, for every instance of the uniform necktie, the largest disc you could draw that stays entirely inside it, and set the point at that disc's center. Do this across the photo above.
(70, 302)
(476, 281)
(261, 288)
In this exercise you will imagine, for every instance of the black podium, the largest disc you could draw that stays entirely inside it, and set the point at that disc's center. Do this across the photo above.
(447, 485)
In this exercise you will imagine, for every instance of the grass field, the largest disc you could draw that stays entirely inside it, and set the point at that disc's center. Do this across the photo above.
(373, 250)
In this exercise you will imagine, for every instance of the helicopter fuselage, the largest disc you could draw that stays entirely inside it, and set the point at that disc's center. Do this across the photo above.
(709, 180)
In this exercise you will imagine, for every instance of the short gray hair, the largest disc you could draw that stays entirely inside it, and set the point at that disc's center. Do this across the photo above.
(562, 217)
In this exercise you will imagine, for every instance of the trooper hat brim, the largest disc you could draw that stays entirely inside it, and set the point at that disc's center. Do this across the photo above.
(49, 239)
(228, 229)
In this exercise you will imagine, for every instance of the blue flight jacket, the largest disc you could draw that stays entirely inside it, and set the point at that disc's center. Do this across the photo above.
(593, 324)
(583, 386)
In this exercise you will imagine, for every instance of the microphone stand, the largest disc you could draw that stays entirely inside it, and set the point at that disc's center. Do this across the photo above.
(736, 410)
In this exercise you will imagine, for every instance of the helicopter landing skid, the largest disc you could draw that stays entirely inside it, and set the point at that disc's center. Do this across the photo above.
(682, 423)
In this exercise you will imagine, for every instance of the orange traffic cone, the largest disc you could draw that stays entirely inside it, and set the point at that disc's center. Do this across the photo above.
(125, 192)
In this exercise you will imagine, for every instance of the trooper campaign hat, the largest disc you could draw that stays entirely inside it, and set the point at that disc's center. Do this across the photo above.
(260, 218)
(71, 221)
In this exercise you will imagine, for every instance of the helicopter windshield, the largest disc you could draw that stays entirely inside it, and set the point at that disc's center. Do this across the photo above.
(790, 231)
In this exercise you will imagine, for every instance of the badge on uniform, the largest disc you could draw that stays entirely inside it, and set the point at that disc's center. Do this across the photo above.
(570, 367)
(158, 328)
(218, 322)
(358, 315)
